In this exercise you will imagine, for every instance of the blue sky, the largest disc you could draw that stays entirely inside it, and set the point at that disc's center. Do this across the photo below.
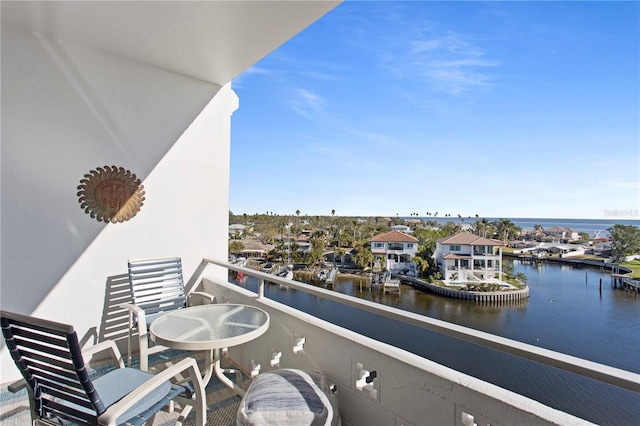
(501, 109)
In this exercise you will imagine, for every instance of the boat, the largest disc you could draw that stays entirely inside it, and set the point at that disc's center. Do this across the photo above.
(156, 108)
(268, 268)
(322, 274)
(287, 274)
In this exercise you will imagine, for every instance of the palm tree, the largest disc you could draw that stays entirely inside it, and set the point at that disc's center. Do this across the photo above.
(363, 256)
(507, 229)
(340, 252)
(317, 249)
(421, 264)
(482, 226)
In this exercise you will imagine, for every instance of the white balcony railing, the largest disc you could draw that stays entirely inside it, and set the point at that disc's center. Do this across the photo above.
(402, 378)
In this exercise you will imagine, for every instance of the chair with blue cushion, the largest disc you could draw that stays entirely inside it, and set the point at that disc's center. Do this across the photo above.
(157, 287)
(61, 391)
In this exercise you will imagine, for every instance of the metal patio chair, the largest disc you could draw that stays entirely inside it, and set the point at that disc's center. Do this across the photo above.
(157, 287)
(61, 391)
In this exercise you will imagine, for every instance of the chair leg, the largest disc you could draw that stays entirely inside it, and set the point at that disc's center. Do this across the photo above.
(129, 339)
(143, 350)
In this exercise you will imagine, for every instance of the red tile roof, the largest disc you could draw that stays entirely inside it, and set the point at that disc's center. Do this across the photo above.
(394, 237)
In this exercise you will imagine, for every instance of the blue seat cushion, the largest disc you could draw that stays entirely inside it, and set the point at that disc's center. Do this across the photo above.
(152, 317)
(288, 397)
(116, 384)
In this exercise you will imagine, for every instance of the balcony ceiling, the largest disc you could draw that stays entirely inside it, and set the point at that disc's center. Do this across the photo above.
(212, 41)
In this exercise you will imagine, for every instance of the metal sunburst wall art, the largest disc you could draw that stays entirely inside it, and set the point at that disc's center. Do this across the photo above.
(111, 194)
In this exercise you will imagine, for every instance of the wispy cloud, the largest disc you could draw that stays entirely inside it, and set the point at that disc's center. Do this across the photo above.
(307, 103)
(449, 61)
(238, 82)
(372, 137)
(258, 70)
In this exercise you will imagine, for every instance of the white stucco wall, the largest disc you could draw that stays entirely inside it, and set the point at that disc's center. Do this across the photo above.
(66, 110)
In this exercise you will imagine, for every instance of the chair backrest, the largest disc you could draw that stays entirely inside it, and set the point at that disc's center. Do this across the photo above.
(49, 357)
(157, 284)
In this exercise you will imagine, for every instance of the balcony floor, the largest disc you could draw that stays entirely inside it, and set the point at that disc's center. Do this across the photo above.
(222, 402)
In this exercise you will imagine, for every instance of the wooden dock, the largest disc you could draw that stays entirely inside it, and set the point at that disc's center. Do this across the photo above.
(390, 284)
(625, 281)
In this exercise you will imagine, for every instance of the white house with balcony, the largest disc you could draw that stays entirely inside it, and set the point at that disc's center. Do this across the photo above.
(397, 248)
(563, 234)
(466, 257)
(405, 229)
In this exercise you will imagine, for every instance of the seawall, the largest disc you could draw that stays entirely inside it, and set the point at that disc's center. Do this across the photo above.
(507, 296)
(592, 263)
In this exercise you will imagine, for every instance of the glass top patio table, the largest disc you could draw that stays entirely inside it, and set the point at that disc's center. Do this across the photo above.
(208, 327)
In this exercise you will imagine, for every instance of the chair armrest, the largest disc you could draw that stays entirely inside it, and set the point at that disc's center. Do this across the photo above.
(132, 308)
(17, 386)
(188, 365)
(135, 310)
(200, 298)
(109, 346)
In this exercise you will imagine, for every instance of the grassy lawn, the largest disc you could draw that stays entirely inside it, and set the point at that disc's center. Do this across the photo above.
(634, 265)
(517, 284)
(441, 283)
(589, 257)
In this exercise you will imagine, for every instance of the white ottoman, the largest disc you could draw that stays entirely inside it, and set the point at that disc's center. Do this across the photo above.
(289, 397)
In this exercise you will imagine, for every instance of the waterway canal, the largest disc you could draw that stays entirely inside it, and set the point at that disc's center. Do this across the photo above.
(566, 312)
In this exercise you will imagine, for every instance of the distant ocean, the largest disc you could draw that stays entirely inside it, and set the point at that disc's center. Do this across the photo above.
(590, 226)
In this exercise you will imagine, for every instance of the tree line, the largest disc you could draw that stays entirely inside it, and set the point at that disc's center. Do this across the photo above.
(342, 233)
(353, 234)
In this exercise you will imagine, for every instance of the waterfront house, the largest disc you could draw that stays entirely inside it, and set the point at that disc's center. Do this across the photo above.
(402, 228)
(601, 246)
(466, 257)
(563, 250)
(397, 249)
(304, 243)
(562, 234)
(253, 249)
(236, 230)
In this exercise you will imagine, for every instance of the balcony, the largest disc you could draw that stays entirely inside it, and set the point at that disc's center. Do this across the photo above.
(487, 254)
(406, 388)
